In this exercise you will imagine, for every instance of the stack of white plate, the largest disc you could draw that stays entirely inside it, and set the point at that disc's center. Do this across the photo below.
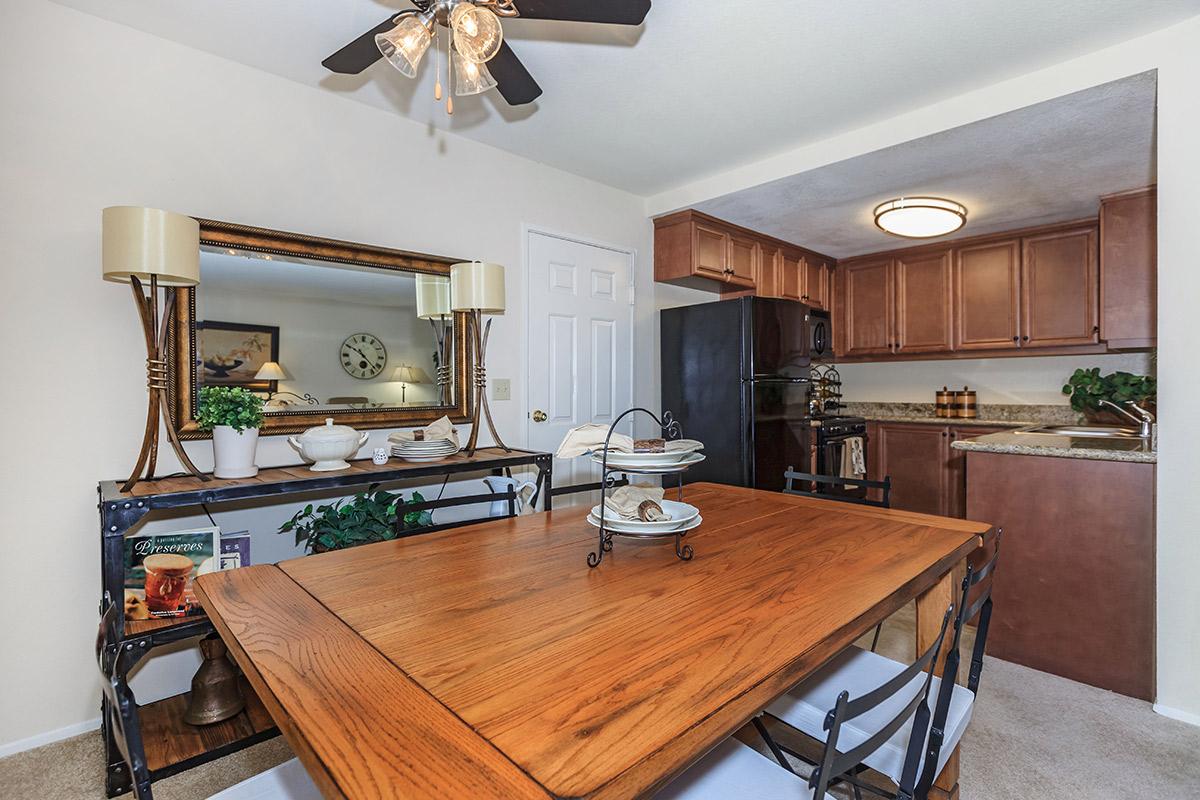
(650, 462)
(430, 450)
(681, 517)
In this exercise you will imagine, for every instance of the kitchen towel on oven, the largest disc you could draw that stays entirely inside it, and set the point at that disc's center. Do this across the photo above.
(854, 462)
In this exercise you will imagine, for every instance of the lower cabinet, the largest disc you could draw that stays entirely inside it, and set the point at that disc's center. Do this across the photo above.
(927, 474)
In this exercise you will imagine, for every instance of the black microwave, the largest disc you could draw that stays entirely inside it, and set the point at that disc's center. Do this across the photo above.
(820, 334)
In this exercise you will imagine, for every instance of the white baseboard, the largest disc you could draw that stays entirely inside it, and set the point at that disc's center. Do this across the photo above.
(21, 745)
(1175, 713)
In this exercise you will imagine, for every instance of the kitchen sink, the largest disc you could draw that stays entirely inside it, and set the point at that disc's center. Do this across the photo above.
(1096, 431)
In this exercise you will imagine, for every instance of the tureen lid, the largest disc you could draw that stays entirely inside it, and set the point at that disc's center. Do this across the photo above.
(329, 432)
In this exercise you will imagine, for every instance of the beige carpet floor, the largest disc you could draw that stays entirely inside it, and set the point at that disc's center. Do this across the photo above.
(1033, 735)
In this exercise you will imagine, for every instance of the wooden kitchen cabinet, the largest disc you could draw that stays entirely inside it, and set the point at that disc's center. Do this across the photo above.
(865, 305)
(791, 277)
(744, 256)
(923, 303)
(1059, 289)
(956, 466)
(915, 455)
(711, 249)
(816, 282)
(1129, 269)
(987, 295)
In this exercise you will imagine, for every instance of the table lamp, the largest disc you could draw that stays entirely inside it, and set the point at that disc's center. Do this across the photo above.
(148, 248)
(478, 288)
(404, 375)
(433, 304)
(274, 371)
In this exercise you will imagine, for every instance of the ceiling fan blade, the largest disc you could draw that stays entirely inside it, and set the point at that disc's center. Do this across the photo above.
(359, 54)
(615, 12)
(512, 79)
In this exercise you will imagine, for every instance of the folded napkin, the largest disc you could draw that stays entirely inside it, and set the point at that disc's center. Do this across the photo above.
(628, 503)
(589, 437)
(433, 432)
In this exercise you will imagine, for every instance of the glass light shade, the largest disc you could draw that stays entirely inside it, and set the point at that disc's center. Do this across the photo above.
(920, 217)
(270, 371)
(149, 241)
(477, 285)
(470, 77)
(407, 374)
(477, 32)
(433, 296)
(404, 44)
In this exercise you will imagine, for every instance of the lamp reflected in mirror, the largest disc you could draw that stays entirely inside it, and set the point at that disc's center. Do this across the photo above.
(273, 371)
(433, 304)
(405, 374)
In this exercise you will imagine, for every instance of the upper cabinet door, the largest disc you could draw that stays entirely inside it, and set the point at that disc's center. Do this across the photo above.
(1128, 269)
(816, 283)
(923, 303)
(986, 285)
(866, 292)
(1059, 294)
(744, 255)
(710, 247)
(791, 278)
(767, 282)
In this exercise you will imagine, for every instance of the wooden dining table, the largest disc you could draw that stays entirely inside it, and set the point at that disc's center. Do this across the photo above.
(491, 661)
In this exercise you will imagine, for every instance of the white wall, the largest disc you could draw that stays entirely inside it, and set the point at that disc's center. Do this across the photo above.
(96, 114)
(1175, 53)
(995, 380)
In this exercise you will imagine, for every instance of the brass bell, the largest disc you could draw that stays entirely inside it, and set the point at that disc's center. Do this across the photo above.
(216, 694)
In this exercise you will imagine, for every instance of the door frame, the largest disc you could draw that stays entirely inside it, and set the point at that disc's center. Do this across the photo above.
(529, 230)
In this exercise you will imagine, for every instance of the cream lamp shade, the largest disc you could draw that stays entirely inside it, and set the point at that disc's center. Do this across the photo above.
(477, 286)
(145, 242)
(407, 374)
(270, 371)
(433, 296)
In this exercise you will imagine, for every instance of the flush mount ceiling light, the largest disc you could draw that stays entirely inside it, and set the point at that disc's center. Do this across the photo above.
(920, 217)
(476, 55)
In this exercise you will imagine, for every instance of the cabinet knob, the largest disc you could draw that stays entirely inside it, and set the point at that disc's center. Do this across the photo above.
(1024, 338)
(1016, 339)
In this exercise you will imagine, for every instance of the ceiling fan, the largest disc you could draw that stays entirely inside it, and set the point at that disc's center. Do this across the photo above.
(478, 55)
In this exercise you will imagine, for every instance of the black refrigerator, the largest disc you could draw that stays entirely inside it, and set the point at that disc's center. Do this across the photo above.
(735, 373)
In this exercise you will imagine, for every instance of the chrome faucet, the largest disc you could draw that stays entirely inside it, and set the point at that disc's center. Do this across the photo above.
(1143, 419)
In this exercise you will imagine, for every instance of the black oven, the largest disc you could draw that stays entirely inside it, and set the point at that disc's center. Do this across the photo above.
(832, 434)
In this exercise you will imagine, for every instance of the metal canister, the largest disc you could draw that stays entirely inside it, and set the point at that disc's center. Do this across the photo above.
(944, 403)
(964, 404)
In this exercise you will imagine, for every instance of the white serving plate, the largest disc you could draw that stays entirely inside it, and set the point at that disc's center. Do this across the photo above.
(616, 461)
(424, 451)
(680, 513)
(438, 445)
(691, 524)
(648, 459)
(423, 459)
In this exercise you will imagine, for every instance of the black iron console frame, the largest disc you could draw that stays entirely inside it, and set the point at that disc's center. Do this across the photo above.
(117, 653)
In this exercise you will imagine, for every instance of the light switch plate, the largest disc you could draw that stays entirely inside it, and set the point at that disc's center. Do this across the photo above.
(501, 389)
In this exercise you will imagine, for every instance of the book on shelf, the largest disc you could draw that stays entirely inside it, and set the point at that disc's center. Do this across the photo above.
(161, 567)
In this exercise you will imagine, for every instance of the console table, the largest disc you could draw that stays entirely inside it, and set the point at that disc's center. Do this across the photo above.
(149, 742)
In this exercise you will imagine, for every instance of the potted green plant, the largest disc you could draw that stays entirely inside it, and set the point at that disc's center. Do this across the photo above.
(234, 416)
(370, 516)
(1087, 387)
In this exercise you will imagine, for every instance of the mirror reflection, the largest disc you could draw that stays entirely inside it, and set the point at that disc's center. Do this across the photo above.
(314, 336)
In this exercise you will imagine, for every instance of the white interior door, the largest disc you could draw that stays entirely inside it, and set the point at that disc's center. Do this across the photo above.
(580, 344)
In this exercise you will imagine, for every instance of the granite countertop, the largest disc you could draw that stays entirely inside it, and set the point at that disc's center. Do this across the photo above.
(991, 415)
(1061, 446)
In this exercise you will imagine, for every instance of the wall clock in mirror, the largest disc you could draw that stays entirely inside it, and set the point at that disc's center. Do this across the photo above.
(363, 356)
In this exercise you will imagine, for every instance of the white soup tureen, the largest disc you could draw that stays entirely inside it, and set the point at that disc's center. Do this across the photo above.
(328, 445)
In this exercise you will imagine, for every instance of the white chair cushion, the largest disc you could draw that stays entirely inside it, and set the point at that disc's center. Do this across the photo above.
(733, 770)
(288, 781)
(859, 671)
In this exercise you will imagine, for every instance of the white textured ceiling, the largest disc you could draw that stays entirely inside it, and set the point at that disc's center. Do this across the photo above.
(1049, 162)
(701, 87)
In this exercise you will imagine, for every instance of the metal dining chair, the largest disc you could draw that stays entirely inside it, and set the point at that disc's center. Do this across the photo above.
(900, 703)
(790, 476)
(803, 708)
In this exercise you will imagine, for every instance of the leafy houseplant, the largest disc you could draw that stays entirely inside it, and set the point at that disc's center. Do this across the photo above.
(369, 516)
(1087, 387)
(234, 415)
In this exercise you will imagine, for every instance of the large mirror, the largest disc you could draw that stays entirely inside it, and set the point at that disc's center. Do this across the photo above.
(319, 328)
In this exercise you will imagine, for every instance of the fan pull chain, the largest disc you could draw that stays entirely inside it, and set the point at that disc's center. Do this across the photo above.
(449, 71)
(437, 86)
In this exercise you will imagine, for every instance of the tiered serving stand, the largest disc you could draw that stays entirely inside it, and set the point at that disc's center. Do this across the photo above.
(671, 429)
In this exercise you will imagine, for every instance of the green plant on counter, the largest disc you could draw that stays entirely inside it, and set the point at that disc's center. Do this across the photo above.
(229, 405)
(369, 516)
(1087, 387)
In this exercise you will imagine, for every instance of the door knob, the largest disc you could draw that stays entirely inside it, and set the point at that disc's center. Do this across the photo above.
(539, 415)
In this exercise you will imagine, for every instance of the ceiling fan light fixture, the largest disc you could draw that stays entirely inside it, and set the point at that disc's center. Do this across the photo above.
(404, 45)
(477, 32)
(920, 217)
(470, 77)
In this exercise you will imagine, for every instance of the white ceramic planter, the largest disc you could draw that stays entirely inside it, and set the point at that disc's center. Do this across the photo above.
(233, 452)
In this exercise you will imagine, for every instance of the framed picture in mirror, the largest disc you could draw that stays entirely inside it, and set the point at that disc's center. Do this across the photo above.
(273, 312)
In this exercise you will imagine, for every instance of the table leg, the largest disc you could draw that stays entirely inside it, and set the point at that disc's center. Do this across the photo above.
(931, 607)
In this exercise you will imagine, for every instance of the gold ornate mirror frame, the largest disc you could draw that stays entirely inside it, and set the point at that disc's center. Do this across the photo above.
(181, 362)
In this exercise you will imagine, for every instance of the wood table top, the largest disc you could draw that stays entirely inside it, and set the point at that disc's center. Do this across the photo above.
(491, 661)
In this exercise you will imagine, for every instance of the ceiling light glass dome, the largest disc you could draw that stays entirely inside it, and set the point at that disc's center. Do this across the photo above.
(920, 217)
